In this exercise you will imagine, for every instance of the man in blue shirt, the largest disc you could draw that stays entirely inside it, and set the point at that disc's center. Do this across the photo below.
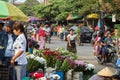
(7, 52)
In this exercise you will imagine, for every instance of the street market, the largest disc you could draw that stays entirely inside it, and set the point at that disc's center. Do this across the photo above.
(59, 40)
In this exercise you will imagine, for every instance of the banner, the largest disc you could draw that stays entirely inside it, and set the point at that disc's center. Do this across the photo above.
(99, 23)
(113, 17)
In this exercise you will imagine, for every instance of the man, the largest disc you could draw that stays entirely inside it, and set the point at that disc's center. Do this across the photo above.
(8, 39)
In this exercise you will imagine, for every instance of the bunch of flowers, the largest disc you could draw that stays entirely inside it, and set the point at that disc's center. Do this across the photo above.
(67, 64)
(50, 57)
(35, 62)
(79, 66)
(89, 68)
(59, 61)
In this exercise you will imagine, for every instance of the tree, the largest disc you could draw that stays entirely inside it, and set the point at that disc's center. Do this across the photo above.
(111, 6)
(58, 10)
(27, 7)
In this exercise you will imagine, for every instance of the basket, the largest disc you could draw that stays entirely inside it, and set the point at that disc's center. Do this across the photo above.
(4, 72)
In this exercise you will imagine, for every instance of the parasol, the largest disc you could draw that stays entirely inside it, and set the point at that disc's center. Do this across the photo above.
(32, 19)
(73, 16)
(8, 10)
(93, 16)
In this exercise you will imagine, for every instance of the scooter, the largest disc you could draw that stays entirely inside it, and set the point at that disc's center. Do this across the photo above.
(111, 56)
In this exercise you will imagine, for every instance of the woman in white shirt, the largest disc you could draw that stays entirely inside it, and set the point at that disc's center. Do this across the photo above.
(71, 38)
(20, 51)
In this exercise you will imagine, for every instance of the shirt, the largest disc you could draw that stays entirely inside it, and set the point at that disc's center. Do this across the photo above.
(72, 37)
(41, 32)
(9, 49)
(20, 45)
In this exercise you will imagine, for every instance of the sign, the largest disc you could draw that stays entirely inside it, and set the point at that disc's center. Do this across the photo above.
(113, 17)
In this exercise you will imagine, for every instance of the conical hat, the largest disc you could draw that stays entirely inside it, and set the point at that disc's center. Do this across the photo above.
(106, 72)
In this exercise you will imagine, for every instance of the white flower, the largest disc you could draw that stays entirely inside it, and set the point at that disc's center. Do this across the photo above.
(31, 56)
(90, 67)
(40, 59)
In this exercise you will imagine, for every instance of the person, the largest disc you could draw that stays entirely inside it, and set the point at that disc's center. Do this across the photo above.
(41, 38)
(74, 27)
(7, 40)
(71, 38)
(116, 77)
(108, 39)
(61, 32)
(1, 34)
(104, 74)
(19, 59)
(118, 66)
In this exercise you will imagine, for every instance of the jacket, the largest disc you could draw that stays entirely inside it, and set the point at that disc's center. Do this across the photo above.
(4, 43)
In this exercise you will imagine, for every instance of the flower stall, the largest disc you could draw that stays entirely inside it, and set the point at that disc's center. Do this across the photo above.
(56, 64)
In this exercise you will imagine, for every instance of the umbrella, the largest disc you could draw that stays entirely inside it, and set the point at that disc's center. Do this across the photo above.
(73, 16)
(8, 10)
(32, 19)
(93, 16)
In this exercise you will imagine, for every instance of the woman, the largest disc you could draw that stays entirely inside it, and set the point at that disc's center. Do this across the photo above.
(19, 59)
(71, 38)
(42, 38)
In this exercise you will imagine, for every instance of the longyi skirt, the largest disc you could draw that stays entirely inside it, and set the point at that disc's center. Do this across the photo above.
(72, 48)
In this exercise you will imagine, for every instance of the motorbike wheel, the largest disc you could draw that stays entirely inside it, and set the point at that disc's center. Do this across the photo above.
(114, 58)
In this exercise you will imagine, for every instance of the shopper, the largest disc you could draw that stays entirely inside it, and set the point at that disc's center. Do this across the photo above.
(20, 46)
(7, 39)
(41, 38)
(71, 38)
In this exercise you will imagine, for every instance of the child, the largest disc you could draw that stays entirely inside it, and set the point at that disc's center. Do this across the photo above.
(36, 49)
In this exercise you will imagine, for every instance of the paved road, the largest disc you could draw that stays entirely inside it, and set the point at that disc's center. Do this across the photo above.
(85, 53)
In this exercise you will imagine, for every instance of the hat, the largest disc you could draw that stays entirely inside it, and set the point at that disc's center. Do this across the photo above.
(9, 23)
(106, 72)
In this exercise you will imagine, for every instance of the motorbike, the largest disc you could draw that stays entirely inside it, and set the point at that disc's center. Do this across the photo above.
(111, 56)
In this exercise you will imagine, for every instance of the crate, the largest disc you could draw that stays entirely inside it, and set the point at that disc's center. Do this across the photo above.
(4, 72)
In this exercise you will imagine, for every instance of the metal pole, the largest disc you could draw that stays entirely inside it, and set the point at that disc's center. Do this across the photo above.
(13, 2)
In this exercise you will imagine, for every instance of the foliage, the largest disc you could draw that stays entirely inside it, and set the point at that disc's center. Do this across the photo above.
(34, 63)
(26, 7)
(57, 11)
(50, 57)
(117, 26)
(66, 53)
(111, 6)
(59, 62)
(66, 65)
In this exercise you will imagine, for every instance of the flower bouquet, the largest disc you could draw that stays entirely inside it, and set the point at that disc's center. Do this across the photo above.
(50, 57)
(79, 66)
(89, 68)
(59, 61)
(67, 64)
(34, 63)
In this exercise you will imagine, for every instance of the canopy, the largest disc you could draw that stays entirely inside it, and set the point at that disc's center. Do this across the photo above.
(93, 16)
(73, 16)
(8, 10)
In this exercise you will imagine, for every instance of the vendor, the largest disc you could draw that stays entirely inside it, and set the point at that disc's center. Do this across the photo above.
(115, 77)
(104, 74)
